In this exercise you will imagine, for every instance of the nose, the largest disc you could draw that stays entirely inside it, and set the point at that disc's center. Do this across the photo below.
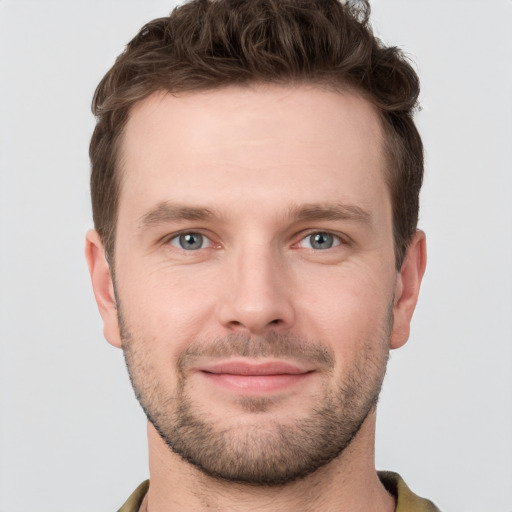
(257, 293)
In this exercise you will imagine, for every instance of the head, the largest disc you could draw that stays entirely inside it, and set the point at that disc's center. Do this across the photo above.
(206, 45)
(255, 192)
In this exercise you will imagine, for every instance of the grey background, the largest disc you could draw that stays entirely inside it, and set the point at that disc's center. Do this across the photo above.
(72, 437)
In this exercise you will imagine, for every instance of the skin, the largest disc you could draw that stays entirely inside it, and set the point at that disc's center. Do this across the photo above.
(261, 159)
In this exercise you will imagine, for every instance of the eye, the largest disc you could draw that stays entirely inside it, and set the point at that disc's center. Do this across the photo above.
(320, 240)
(190, 241)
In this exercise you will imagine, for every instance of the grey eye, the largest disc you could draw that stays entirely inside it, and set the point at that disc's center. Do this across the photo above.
(320, 240)
(189, 241)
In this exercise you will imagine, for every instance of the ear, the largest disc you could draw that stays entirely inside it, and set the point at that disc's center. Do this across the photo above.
(103, 287)
(407, 288)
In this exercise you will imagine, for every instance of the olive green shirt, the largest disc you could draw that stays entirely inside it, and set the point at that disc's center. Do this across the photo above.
(406, 500)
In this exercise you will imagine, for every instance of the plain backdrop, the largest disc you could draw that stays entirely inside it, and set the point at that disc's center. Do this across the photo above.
(72, 437)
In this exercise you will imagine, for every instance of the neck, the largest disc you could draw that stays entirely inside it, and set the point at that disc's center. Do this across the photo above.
(348, 483)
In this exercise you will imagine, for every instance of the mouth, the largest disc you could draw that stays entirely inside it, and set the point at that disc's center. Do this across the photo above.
(255, 378)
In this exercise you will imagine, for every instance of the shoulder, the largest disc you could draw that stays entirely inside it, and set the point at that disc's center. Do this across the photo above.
(406, 500)
(133, 503)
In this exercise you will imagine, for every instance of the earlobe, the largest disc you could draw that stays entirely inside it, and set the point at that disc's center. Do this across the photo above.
(103, 287)
(407, 288)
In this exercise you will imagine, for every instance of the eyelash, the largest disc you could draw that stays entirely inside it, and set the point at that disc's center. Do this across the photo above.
(336, 240)
(176, 238)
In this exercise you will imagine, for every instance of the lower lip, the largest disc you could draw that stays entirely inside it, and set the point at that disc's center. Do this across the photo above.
(256, 383)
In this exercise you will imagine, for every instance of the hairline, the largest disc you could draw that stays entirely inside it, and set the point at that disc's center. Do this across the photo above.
(388, 140)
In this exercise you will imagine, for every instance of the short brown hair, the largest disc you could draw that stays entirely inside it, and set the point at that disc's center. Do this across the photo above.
(206, 44)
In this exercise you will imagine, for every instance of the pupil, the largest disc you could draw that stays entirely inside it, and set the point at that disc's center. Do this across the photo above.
(321, 241)
(191, 241)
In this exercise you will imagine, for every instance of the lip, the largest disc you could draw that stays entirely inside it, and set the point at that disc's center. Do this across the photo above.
(255, 377)
(254, 368)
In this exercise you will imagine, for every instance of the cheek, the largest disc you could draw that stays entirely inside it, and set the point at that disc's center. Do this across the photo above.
(345, 308)
(166, 308)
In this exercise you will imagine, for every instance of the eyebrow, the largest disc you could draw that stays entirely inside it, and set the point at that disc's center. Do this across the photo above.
(167, 212)
(336, 211)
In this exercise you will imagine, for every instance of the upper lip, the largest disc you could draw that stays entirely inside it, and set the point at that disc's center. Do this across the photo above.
(254, 368)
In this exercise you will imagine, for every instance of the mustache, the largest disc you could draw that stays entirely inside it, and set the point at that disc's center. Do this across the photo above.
(277, 345)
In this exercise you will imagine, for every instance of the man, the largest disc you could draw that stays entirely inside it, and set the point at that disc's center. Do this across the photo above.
(255, 182)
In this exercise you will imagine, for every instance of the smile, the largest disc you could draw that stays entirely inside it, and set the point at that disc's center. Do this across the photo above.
(255, 378)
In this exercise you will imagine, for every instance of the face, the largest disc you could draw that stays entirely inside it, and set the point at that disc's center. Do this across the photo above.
(256, 297)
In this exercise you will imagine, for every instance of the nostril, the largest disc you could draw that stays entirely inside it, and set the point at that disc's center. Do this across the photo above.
(236, 324)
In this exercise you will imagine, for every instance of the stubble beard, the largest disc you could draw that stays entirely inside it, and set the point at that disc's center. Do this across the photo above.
(272, 453)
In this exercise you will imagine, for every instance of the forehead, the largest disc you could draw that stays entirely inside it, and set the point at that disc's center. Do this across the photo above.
(248, 143)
